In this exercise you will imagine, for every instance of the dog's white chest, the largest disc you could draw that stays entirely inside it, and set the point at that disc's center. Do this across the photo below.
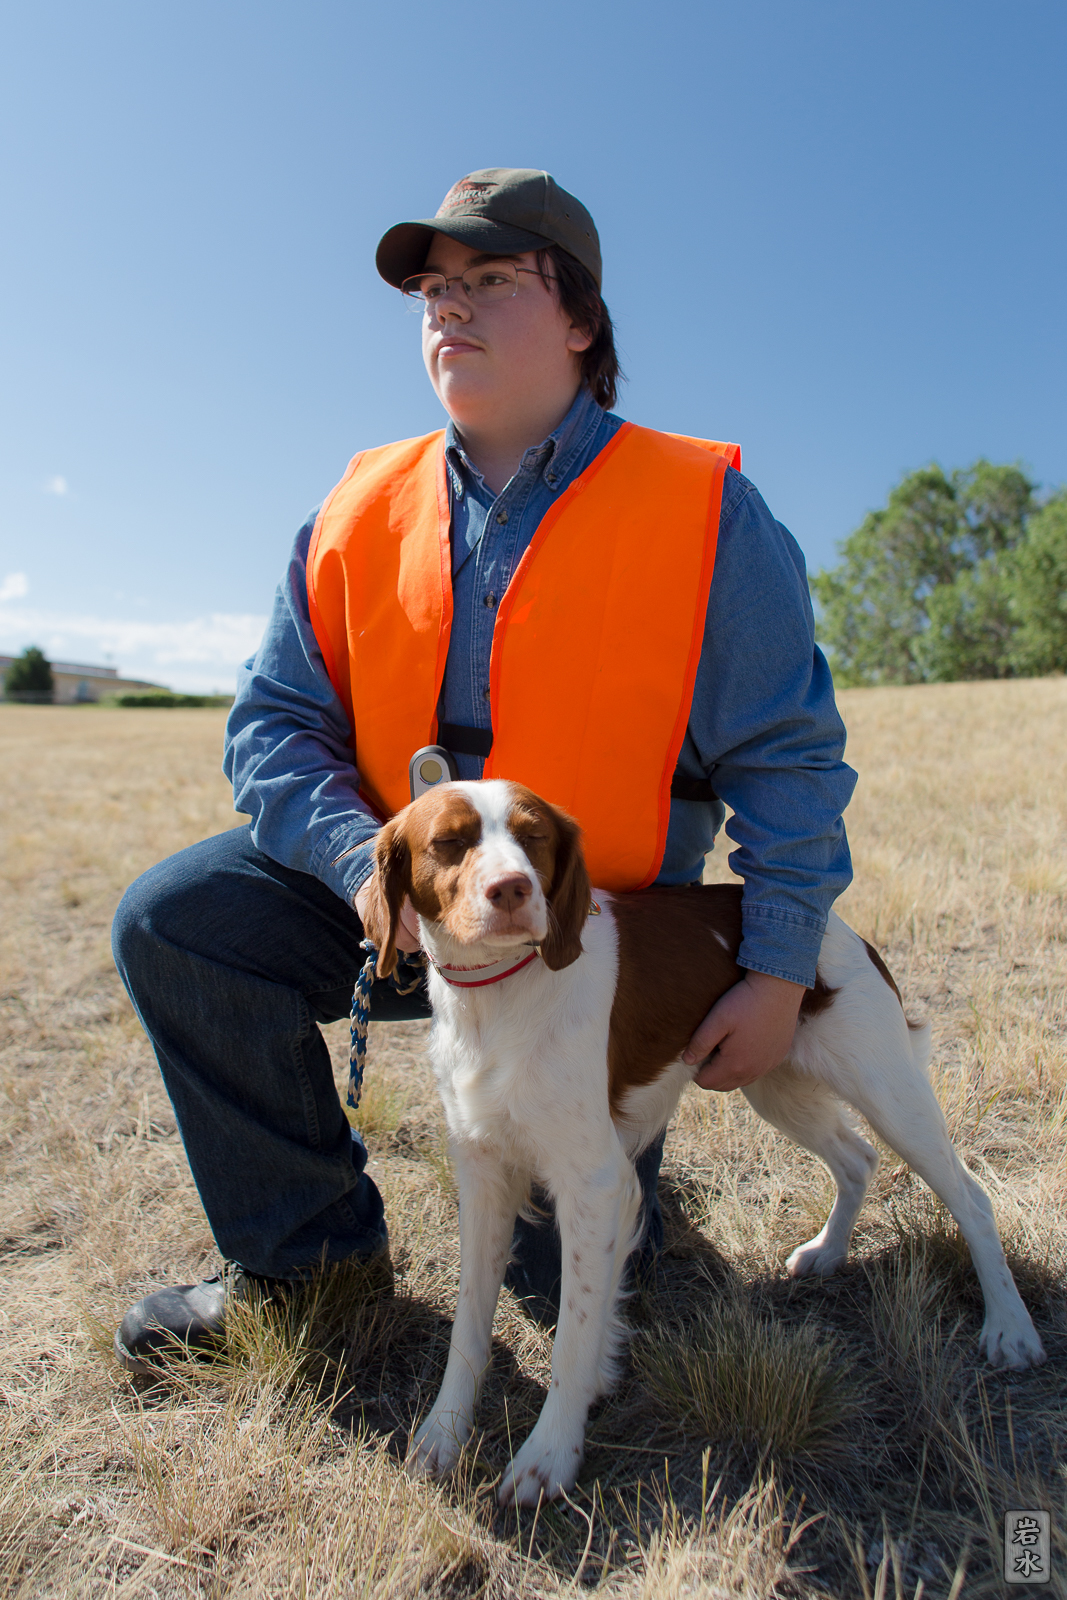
(481, 1091)
(523, 1064)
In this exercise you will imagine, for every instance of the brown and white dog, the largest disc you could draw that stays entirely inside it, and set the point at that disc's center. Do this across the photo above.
(560, 1067)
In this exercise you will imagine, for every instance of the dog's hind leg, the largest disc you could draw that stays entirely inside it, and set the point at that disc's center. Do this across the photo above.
(808, 1112)
(888, 1084)
(489, 1197)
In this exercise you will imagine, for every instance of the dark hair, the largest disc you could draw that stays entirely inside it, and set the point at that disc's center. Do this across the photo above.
(584, 304)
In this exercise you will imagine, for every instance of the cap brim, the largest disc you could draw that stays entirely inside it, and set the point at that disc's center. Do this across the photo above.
(402, 251)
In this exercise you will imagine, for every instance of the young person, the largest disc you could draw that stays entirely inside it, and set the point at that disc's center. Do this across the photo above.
(381, 640)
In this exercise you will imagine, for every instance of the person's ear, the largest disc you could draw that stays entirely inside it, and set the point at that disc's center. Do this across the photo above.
(578, 342)
(568, 898)
(389, 885)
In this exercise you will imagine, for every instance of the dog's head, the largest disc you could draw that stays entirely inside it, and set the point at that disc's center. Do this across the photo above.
(488, 863)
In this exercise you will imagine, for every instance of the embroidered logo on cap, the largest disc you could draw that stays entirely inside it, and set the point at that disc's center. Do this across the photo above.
(466, 196)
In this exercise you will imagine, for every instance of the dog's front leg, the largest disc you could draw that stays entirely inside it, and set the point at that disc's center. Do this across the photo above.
(597, 1213)
(489, 1197)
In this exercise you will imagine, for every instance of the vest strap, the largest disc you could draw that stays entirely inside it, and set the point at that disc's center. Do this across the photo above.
(692, 789)
(465, 741)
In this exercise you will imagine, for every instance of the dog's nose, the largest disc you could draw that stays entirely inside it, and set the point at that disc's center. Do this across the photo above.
(508, 894)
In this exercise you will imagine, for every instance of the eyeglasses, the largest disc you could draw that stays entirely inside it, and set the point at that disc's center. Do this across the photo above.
(497, 280)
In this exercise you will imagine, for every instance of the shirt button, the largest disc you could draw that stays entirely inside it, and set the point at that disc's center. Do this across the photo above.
(550, 477)
(485, 694)
(501, 516)
(490, 601)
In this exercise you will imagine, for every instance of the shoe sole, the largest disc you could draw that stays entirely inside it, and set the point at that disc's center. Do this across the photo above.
(131, 1362)
(157, 1368)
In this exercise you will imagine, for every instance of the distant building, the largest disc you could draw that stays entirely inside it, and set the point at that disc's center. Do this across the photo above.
(77, 685)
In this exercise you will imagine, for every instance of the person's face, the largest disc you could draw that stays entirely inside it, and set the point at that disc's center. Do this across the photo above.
(487, 362)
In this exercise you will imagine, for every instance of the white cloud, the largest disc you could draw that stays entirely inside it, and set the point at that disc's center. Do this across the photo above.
(57, 485)
(199, 655)
(14, 586)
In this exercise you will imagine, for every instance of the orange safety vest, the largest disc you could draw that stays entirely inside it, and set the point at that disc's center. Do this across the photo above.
(595, 648)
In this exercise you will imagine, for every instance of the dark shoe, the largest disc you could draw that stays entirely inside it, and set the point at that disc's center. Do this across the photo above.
(188, 1320)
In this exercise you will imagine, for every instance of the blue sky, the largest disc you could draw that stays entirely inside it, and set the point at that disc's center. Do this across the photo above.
(834, 232)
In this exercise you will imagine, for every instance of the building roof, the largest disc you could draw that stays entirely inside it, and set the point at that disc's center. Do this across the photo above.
(76, 669)
(80, 669)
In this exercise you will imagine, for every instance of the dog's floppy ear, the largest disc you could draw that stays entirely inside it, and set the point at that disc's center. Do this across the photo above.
(390, 883)
(568, 898)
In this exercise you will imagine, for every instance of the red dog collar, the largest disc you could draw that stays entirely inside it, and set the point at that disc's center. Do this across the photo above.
(490, 972)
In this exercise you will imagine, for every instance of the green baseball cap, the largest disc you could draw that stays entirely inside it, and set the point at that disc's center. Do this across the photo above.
(500, 208)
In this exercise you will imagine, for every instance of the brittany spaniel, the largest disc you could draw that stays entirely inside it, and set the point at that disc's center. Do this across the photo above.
(556, 1042)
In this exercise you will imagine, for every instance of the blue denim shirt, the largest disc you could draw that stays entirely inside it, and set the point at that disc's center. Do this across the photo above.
(762, 726)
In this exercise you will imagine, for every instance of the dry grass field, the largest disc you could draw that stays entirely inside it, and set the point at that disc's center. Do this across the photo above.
(769, 1437)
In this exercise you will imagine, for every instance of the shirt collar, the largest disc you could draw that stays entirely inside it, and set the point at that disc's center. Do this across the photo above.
(552, 459)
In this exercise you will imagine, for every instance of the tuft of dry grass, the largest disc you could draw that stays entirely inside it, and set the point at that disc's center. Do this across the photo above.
(775, 1390)
(879, 1459)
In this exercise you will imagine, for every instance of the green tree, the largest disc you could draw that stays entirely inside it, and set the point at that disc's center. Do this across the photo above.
(972, 624)
(923, 587)
(30, 673)
(1039, 592)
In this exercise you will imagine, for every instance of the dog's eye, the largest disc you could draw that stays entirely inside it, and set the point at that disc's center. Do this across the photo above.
(448, 842)
(527, 839)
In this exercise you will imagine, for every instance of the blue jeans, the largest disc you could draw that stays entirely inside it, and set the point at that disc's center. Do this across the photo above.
(231, 962)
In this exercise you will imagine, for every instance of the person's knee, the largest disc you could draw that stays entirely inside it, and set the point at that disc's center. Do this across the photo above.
(149, 917)
(131, 930)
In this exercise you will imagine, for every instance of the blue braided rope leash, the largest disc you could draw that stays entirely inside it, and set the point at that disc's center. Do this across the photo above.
(409, 973)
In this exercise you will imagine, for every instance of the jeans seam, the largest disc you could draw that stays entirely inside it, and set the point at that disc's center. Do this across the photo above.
(311, 1116)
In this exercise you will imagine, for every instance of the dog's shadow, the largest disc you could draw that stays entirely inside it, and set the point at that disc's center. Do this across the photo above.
(382, 1359)
(385, 1370)
(690, 1265)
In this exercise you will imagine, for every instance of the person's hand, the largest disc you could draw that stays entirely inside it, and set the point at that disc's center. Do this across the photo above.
(750, 1030)
(407, 931)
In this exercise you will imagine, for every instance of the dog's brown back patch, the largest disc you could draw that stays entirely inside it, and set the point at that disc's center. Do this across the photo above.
(677, 950)
(677, 957)
(883, 971)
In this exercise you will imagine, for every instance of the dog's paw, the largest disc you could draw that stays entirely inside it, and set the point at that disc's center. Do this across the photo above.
(438, 1444)
(546, 1465)
(1014, 1345)
(815, 1260)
